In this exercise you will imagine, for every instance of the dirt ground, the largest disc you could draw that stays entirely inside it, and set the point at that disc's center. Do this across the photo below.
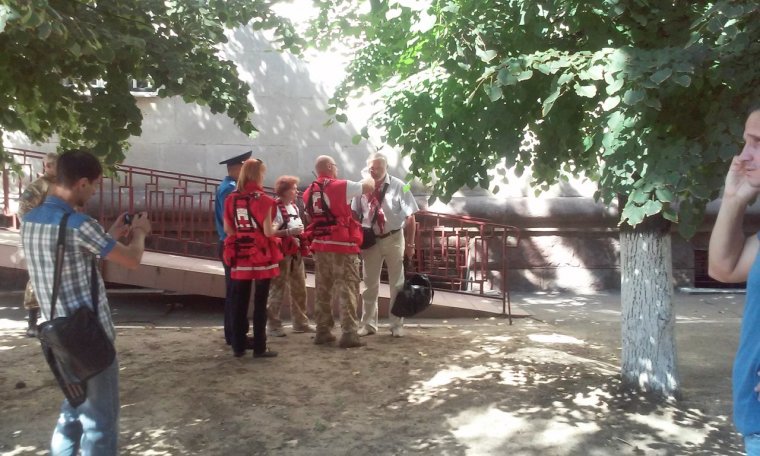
(457, 387)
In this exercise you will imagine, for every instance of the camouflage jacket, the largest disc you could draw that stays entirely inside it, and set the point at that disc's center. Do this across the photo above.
(34, 195)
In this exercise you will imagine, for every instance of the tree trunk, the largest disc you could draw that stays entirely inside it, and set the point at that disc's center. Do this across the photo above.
(648, 326)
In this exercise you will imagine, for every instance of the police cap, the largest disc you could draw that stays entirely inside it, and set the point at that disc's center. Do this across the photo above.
(237, 159)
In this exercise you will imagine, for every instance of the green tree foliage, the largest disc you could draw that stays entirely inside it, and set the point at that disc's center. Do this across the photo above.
(52, 50)
(647, 98)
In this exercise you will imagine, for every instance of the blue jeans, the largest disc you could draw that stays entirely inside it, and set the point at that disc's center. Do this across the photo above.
(93, 427)
(752, 444)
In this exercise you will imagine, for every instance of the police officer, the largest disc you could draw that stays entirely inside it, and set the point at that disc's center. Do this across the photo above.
(336, 237)
(33, 196)
(226, 187)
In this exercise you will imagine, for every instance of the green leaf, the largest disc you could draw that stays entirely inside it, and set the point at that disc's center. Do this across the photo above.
(356, 139)
(43, 31)
(670, 214)
(610, 103)
(588, 91)
(342, 118)
(75, 49)
(596, 72)
(652, 207)
(494, 92)
(639, 196)
(632, 214)
(524, 75)
(613, 88)
(549, 102)
(485, 55)
(664, 194)
(682, 80)
(661, 76)
(633, 96)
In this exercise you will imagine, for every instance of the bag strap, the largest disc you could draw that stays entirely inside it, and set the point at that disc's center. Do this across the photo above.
(60, 250)
(60, 247)
(284, 213)
(325, 207)
(247, 198)
(379, 203)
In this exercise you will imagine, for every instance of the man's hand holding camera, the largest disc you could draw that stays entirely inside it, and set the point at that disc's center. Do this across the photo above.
(128, 223)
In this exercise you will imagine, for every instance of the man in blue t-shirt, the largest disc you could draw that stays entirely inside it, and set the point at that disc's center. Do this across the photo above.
(733, 257)
(227, 186)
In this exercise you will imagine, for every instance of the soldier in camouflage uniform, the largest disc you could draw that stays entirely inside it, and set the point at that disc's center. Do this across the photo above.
(32, 197)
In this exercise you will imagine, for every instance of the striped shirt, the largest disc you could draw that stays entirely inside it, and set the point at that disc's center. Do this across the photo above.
(85, 238)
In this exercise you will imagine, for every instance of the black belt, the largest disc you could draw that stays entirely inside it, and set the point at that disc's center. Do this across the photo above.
(385, 235)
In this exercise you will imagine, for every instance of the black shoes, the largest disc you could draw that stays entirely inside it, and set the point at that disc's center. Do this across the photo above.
(248, 343)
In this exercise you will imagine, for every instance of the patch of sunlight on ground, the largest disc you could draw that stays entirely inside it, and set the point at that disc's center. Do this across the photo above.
(503, 339)
(152, 443)
(11, 324)
(595, 398)
(555, 339)
(483, 431)
(563, 434)
(20, 450)
(426, 390)
(683, 430)
(519, 375)
(548, 355)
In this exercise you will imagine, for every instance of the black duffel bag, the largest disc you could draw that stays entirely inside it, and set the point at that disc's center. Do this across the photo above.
(414, 297)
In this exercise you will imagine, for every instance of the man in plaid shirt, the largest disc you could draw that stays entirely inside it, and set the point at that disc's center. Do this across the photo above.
(91, 427)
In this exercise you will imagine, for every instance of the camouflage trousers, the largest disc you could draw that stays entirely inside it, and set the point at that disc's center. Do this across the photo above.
(337, 276)
(30, 298)
(292, 280)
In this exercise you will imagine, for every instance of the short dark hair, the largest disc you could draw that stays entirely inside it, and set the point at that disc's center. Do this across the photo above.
(75, 164)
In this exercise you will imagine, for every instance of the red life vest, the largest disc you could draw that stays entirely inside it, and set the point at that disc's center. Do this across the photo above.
(248, 252)
(291, 244)
(332, 227)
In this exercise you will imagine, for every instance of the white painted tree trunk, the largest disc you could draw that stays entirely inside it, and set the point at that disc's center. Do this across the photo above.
(648, 320)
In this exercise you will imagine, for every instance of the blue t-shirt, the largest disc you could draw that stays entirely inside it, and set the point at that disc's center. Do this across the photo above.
(747, 361)
(226, 187)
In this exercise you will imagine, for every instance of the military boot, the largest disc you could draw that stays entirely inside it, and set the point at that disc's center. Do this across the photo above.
(350, 340)
(323, 338)
(31, 330)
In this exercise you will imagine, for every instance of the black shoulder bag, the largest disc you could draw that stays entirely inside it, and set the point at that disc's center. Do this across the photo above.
(369, 233)
(76, 347)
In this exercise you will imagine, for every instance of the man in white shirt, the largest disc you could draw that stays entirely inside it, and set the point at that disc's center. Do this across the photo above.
(389, 210)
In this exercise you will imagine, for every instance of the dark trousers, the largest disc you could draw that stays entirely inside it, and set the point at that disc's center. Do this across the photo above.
(241, 295)
(227, 298)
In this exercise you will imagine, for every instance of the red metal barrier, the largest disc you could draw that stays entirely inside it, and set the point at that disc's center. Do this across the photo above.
(458, 253)
(463, 253)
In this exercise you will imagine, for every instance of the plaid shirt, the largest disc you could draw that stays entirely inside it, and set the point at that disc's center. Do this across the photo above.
(85, 238)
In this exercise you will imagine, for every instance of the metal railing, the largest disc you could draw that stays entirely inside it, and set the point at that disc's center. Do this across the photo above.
(459, 253)
(466, 254)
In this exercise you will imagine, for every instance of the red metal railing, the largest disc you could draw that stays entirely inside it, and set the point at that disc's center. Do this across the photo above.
(458, 253)
(463, 253)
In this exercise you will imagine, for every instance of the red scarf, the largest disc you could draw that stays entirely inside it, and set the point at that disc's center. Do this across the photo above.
(374, 202)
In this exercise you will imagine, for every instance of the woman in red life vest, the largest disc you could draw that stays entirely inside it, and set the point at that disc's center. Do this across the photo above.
(252, 253)
(292, 278)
